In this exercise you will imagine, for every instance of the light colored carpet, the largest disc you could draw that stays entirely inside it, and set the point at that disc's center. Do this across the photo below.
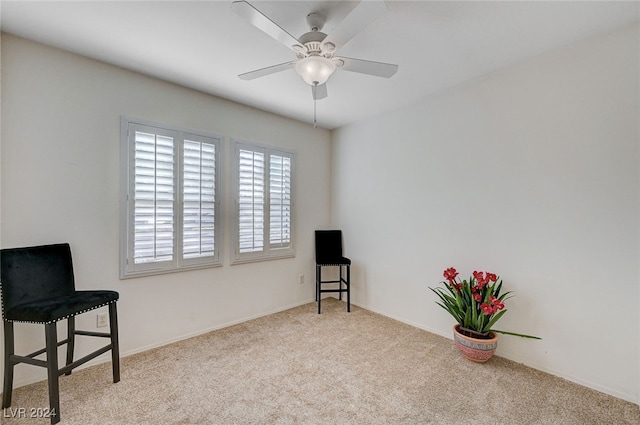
(298, 367)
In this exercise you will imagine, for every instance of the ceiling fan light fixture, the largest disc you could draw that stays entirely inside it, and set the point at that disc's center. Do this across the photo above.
(315, 69)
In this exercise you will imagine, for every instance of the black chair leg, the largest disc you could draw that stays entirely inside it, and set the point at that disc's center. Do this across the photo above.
(8, 365)
(319, 287)
(51, 339)
(71, 340)
(115, 349)
(317, 282)
(348, 289)
(340, 283)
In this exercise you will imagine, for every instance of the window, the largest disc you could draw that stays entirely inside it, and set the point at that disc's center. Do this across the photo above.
(263, 206)
(170, 199)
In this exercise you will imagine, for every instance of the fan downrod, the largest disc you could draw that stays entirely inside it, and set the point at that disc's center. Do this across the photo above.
(315, 21)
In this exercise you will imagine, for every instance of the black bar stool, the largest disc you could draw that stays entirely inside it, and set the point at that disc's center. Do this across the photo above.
(37, 286)
(329, 254)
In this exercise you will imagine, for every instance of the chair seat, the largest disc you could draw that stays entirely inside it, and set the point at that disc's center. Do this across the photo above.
(53, 309)
(339, 261)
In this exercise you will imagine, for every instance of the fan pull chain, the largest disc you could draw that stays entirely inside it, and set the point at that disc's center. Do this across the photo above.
(315, 102)
(315, 122)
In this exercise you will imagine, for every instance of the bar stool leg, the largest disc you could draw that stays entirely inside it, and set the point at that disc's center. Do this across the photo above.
(8, 365)
(71, 340)
(340, 283)
(115, 349)
(348, 288)
(319, 287)
(53, 375)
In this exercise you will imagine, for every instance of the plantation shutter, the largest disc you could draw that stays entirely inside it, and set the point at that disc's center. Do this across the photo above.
(279, 201)
(170, 199)
(251, 200)
(198, 197)
(153, 197)
(263, 207)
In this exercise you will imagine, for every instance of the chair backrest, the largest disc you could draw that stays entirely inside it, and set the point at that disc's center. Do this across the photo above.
(328, 246)
(35, 273)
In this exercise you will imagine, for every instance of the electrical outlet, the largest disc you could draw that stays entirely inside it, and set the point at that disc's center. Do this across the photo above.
(301, 279)
(102, 320)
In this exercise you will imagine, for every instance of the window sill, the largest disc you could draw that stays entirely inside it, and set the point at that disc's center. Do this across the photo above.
(145, 273)
(263, 258)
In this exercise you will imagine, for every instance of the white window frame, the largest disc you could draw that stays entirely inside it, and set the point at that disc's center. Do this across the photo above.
(128, 267)
(268, 251)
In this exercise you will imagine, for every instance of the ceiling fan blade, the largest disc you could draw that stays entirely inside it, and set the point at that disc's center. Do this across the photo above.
(357, 20)
(251, 75)
(378, 69)
(266, 25)
(319, 92)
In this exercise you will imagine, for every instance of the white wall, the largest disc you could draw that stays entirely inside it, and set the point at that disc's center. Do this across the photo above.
(532, 173)
(60, 180)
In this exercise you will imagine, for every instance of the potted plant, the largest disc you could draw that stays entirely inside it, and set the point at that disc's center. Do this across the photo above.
(476, 304)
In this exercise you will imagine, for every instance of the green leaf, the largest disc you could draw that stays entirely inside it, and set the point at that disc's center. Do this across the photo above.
(474, 314)
(443, 296)
(460, 304)
(495, 318)
(449, 304)
(450, 311)
(467, 319)
(505, 296)
(497, 292)
(515, 334)
(482, 323)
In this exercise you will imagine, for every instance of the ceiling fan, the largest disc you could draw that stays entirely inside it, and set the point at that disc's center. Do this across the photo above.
(315, 50)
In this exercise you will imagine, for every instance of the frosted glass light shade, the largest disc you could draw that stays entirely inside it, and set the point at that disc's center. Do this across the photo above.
(315, 69)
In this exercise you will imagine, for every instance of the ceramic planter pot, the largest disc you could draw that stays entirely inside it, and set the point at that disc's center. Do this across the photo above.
(475, 349)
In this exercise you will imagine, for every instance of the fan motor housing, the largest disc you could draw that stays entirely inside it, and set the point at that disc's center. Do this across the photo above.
(312, 36)
(313, 46)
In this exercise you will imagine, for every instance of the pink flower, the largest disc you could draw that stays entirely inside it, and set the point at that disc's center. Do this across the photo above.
(481, 278)
(450, 274)
(477, 297)
(492, 305)
(486, 309)
(497, 304)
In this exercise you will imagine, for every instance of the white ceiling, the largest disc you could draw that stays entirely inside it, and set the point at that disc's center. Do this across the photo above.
(205, 45)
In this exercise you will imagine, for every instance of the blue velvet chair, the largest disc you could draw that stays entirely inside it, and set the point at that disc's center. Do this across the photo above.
(329, 254)
(37, 286)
